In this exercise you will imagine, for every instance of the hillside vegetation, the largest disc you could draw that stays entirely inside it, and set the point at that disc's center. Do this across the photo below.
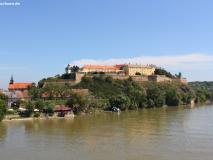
(3, 100)
(106, 93)
(203, 90)
(137, 95)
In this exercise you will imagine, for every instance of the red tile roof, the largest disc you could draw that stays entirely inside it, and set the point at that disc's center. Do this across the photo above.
(19, 86)
(99, 67)
(118, 66)
(61, 108)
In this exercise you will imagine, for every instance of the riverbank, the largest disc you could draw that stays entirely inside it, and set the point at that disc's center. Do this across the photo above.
(17, 118)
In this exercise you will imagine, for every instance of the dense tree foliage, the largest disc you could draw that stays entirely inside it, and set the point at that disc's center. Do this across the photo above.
(40, 104)
(156, 96)
(74, 69)
(161, 71)
(120, 101)
(78, 103)
(140, 95)
(68, 76)
(2, 109)
(3, 96)
(106, 93)
(202, 85)
(16, 104)
(50, 91)
(29, 109)
(172, 97)
(3, 100)
(203, 91)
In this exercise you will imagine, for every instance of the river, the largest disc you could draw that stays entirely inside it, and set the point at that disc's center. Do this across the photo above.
(176, 133)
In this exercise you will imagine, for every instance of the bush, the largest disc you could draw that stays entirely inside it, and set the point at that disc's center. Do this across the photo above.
(2, 109)
(172, 98)
(120, 101)
(161, 71)
(3, 96)
(29, 108)
(39, 104)
(156, 96)
(78, 103)
(11, 112)
(48, 109)
(36, 114)
(15, 105)
(150, 103)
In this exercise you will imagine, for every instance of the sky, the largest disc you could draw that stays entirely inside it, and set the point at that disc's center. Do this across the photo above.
(39, 38)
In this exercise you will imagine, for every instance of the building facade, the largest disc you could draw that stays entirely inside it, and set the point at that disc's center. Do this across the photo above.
(17, 91)
(99, 68)
(145, 70)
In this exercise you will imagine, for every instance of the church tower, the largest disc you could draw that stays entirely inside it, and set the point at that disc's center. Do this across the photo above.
(11, 80)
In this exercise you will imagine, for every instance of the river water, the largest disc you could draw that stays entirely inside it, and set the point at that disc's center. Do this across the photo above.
(176, 133)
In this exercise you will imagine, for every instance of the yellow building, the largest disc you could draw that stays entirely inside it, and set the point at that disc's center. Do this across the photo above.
(146, 70)
(99, 68)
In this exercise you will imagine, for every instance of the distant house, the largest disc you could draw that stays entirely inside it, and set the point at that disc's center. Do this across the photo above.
(19, 86)
(17, 91)
(62, 110)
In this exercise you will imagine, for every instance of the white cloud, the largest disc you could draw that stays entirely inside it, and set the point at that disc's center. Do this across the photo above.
(188, 61)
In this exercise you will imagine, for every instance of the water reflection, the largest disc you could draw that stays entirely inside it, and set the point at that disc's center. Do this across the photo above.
(161, 133)
(3, 132)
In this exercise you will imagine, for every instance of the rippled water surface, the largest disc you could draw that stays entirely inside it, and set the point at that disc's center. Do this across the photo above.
(153, 134)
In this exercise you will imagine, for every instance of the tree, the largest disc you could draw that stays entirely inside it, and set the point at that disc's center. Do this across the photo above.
(78, 103)
(48, 109)
(150, 103)
(68, 76)
(34, 92)
(39, 104)
(49, 90)
(2, 109)
(179, 75)
(29, 108)
(137, 97)
(109, 79)
(161, 71)
(3, 96)
(156, 95)
(172, 98)
(15, 105)
(120, 101)
(75, 69)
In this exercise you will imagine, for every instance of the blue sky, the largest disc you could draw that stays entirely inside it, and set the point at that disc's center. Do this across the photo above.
(38, 38)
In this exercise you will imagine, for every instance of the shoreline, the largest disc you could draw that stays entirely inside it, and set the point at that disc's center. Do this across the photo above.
(35, 118)
(6, 119)
(12, 119)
